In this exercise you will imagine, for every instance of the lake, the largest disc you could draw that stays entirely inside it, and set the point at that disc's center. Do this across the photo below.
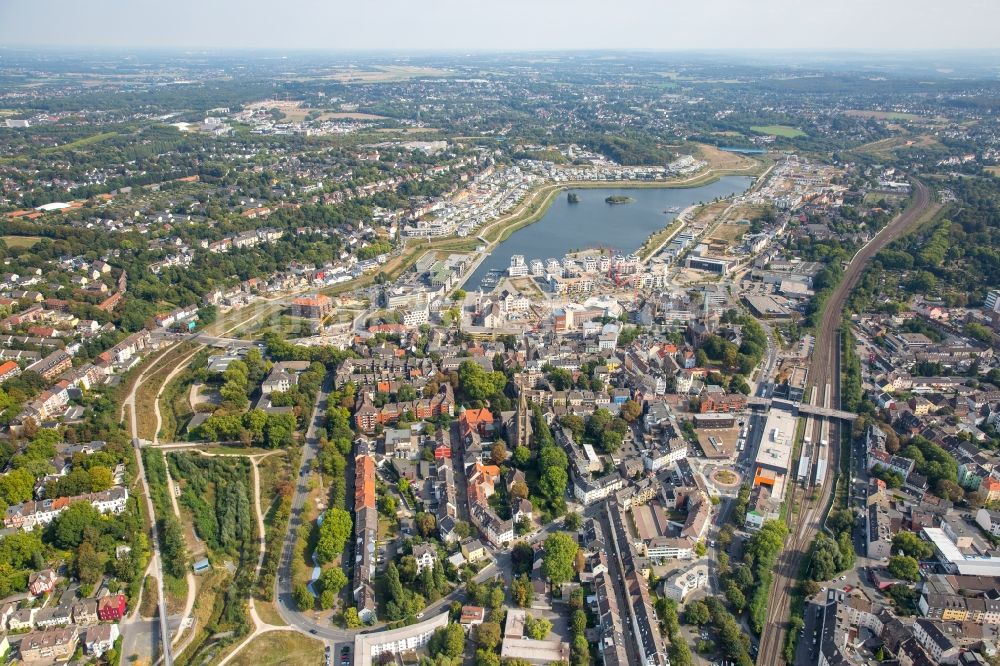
(566, 227)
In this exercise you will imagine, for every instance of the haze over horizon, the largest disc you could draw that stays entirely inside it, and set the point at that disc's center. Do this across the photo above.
(515, 25)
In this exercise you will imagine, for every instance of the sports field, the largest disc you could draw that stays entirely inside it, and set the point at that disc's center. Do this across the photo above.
(786, 131)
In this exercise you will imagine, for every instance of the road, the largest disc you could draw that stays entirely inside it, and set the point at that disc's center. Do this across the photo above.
(825, 368)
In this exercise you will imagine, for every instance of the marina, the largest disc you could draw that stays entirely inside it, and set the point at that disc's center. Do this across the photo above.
(591, 223)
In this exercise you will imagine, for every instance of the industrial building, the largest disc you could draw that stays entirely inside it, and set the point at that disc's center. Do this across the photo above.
(775, 451)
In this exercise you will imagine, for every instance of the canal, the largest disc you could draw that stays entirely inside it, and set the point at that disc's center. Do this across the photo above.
(591, 222)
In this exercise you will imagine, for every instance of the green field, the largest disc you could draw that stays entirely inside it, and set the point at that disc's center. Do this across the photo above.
(20, 241)
(786, 131)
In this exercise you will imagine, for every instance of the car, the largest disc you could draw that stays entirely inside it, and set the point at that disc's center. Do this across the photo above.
(345, 650)
(420, 615)
(843, 578)
(313, 632)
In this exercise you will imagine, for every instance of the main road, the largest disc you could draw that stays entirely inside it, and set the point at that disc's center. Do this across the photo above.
(825, 369)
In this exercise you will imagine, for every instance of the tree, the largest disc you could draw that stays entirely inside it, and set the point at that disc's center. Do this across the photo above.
(826, 557)
(498, 453)
(387, 505)
(537, 628)
(581, 650)
(496, 598)
(71, 524)
(522, 457)
(519, 490)
(631, 410)
(735, 596)
(904, 567)
(333, 580)
(426, 524)
(351, 618)
(304, 599)
(573, 521)
(697, 613)
(578, 622)
(575, 424)
(101, 478)
(477, 384)
(559, 554)
(487, 658)
(521, 591)
(742, 576)
(488, 635)
(89, 564)
(908, 543)
(334, 532)
(448, 640)
(17, 486)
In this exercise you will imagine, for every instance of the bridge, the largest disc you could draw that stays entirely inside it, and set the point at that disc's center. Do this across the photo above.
(800, 408)
(213, 341)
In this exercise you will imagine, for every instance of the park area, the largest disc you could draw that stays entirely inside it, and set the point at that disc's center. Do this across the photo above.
(280, 647)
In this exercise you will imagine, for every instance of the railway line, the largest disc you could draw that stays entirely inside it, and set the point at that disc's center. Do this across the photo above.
(807, 510)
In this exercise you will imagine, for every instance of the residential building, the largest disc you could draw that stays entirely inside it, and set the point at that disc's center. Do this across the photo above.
(425, 555)
(111, 608)
(316, 306)
(42, 582)
(101, 638)
(50, 645)
(368, 648)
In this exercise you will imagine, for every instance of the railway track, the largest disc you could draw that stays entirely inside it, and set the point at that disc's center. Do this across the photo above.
(824, 369)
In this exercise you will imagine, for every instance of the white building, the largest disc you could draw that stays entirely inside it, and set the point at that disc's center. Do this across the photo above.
(685, 581)
(517, 266)
(369, 647)
(424, 554)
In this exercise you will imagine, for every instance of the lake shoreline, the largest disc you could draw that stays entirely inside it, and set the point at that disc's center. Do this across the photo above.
(550, 193)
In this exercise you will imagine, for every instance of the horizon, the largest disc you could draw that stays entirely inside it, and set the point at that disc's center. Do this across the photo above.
(519, 26)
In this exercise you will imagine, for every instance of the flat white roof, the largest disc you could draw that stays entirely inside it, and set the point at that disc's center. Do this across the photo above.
(944, 544)
(776, 445)
(534, 651)
(966, 565)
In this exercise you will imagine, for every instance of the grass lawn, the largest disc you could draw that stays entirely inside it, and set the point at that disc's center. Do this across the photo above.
(274, 471)
(175, 409)
(657, 239)
(786, 131)
(729, 233)
(280, 647)
(884, 148)
(995, 170)
(176, 590)
(725, 476)
(79, 143)
(267, 613)
(146, 395)
(150, 598)
(20, 241)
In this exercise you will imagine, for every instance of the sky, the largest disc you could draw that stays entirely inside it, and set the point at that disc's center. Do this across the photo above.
(504, 25)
